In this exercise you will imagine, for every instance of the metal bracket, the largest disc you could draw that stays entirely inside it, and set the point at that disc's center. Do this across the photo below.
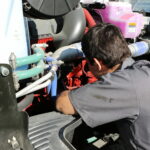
(13, 124)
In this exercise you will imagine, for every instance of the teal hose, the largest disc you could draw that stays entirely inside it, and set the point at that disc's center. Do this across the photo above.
(31, 59)
(31, 72)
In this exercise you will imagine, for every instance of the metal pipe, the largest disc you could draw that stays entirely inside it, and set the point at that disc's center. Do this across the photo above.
(31, 72)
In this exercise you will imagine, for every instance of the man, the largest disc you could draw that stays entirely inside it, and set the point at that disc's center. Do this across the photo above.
(122, 92)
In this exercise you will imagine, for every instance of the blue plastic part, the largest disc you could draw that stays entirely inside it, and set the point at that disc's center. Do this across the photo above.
(139, 48)
(49, 59)
(54, 87)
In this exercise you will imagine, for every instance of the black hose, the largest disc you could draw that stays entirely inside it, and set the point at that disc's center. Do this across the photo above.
(73, 28)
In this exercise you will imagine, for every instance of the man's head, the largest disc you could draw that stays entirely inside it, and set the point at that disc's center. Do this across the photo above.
(104, 44)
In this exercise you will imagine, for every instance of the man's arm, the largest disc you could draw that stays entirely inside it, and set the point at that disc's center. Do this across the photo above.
(110, 99)
(64, 105)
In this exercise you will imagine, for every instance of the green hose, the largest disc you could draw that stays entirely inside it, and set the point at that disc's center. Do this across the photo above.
(31, 72)
(31, 59)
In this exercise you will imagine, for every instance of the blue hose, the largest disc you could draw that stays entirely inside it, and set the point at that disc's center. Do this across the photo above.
(139, 48)
(49, 88)
(49, 59)
(52, 88)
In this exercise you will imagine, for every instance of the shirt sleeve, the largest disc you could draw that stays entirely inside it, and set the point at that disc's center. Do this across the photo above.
(111, 98)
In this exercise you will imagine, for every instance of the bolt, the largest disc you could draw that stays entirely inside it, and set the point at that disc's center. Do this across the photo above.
(27, 6)
(14, 143)
(12, 61)
(4, 71)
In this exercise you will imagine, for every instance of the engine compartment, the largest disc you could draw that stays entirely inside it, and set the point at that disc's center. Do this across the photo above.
(45, 58)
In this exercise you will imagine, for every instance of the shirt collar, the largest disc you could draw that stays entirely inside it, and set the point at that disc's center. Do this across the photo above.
(126, 63)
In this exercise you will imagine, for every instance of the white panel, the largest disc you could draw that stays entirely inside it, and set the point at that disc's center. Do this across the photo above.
(12, 30)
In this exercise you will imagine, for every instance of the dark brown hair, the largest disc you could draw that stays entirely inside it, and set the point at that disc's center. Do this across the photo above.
(106, 43)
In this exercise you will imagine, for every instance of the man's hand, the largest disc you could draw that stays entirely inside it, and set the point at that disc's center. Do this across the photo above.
(64, 105)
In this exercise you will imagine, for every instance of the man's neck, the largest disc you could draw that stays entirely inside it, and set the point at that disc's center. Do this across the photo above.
(116, 67)
(106, 70)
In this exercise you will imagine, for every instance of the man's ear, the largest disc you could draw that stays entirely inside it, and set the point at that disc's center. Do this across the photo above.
(98, 63)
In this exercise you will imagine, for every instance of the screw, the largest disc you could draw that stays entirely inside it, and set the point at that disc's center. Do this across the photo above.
(14, 143)
(4, 71)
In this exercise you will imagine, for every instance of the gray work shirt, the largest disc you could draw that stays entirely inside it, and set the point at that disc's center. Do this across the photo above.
(122, 96)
